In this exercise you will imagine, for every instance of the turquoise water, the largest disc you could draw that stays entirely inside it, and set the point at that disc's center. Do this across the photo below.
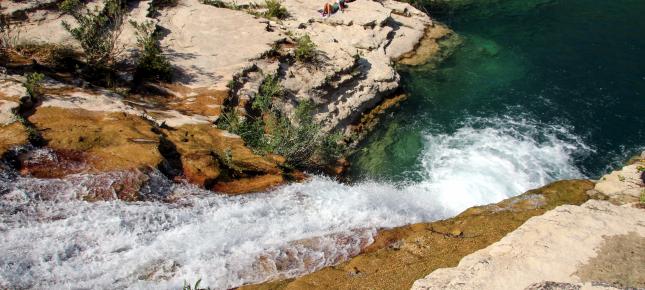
(565, 76)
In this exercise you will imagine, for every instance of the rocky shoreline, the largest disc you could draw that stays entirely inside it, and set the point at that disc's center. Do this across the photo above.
(221, 57)
(570, 234)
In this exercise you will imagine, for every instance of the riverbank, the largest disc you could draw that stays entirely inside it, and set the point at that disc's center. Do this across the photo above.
(553, 228)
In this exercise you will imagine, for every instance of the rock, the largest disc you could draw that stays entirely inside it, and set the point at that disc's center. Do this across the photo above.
(207, 151)
(12, 132)
(105, 141)
(625, 185)
(557, 246)
(248, 185)
(209, 45)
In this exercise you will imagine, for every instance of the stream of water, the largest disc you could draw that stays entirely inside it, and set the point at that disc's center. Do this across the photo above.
(539, 91)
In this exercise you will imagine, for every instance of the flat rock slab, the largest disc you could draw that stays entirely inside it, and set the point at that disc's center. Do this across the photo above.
(208, 45)
(556, 248)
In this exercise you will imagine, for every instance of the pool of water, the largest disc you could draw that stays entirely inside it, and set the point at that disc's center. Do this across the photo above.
(531, 70)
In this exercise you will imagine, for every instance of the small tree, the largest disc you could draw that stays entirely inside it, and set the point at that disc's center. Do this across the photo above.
(96, 31)
(152, 64)
(305, 49)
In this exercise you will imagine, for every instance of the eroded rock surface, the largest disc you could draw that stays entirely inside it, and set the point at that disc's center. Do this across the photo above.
(565, 245)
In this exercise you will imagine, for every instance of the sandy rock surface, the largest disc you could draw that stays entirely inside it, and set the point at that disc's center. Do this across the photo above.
(566, 245)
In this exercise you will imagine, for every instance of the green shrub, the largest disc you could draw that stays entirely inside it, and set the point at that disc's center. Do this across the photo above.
(301, 142)
(269, 89)
(275, 9)
(33, 84)
(152, 64)
(305, 49)
(96, 31)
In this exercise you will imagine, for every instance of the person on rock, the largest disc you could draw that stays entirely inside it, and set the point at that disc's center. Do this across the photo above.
(329, 9)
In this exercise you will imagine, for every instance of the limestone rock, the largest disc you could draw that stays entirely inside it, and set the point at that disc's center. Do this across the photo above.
(209, 45)
(624, 185)
(104, 141)
(554, 247)
(12, 132)
(207, 151)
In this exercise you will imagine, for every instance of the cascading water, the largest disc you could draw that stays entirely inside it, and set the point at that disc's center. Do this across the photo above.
(229, 241)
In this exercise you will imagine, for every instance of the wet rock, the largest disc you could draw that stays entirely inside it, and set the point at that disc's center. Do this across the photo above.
(102, 140)
(250, 184)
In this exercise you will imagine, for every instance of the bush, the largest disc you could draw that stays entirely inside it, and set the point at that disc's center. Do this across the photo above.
(301, 142)
(97, 31)
(305, 49)
(33, 84)
(152, 64)
(269, 89)
(275, 10)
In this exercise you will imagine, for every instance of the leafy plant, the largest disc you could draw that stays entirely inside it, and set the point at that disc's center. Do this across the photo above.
(33, 84)
(301, 140)
(305, 49)
(96, 31)
(152, 64)
(275, 9)
(269, 89)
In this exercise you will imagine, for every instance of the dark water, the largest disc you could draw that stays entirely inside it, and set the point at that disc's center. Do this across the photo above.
(572, 71)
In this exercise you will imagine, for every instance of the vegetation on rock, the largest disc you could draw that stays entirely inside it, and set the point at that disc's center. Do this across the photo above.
(152, 64)
(300, 140)
(275, 10)
(96, 31)
(305, 49)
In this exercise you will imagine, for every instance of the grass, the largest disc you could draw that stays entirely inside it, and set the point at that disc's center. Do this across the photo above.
(305, 49)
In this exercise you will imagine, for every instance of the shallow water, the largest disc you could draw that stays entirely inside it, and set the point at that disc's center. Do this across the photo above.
(540, 90)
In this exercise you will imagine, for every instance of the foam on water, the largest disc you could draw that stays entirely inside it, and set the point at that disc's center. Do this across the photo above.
(299, 228)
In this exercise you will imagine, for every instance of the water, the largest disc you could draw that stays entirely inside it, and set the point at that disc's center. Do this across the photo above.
(575, 64)
(540, 90)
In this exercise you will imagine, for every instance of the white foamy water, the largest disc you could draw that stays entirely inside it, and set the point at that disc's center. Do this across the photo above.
(299, 228)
